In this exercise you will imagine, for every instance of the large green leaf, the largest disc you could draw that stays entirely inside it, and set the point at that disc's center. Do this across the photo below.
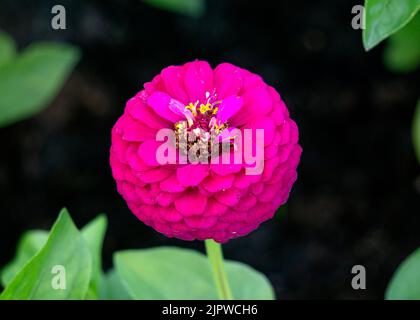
(7, 48)
(416, 131)
(385, 17)
(29, 245)
(30, 81)
(112, 288)
(405, 283)
(94, 233)
(402, 53)
(32, 241)
(65, 247)
(192, 8)
(174, 273)
(247, 283)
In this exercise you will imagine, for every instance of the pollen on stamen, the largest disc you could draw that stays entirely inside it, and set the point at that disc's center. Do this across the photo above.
(203, 125)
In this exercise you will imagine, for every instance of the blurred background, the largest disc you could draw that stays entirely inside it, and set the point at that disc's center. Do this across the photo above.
(356, 200)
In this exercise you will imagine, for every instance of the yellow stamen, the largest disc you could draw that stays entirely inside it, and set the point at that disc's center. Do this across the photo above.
(218, 128)
(192, 108)
(204, 108)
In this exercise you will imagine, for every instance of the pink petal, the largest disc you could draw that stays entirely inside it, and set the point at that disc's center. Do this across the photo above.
(173, 78)
(119, 148)
(128, 191)
(269, 193)
(198, 80)
(154, 175)
(136, 131)
(274, 94)
(215, 183)
(251, 80)
(200, 222)
(131, 176)
(191, 203)
(295, 156)
(294, 132)
(234, 216)
(171, 184)
(145, 195)
(278, 174)
(192, 174)
(243, 181)
(269, 168)
(118, 169)
(228, 108)
(165, 199)
(218, 167)
(215, 208)
(155, 85)
(227, 80)
(229, 197)
(170, 214)
(271, 151)
(247, 202)
(134, 160)
(147, 152)
(225, 169)
(143, 113)
(257, 102)
(267, 125)
(257, 216)
(178, 108)
(284, 152)
(278, 116)
(257, 188)
(159, 101)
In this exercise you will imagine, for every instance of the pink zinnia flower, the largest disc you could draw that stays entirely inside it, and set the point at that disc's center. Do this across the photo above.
(205, 200)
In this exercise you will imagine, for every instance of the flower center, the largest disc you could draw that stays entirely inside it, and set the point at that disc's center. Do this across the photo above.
(201, 129)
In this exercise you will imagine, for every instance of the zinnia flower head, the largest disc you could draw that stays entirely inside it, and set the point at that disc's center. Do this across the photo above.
(196, 197)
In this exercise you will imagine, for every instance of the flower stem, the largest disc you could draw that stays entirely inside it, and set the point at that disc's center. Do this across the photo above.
(215, 255)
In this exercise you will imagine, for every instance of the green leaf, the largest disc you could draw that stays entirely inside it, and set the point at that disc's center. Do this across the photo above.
(30, 81)
(112, 288)
(402, 53)
(7, 48)
(65, 247)
(416, 131)
(165, 273)
(174, 273)
(192, 8)
(32, 241)
(405, 283)
(94, 233)
(29, 245)
(385, 17)
(247, 283)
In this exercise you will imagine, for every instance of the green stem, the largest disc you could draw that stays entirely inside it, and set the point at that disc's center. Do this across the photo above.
(215, 255)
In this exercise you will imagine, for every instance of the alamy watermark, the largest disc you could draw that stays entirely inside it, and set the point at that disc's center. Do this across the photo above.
(58, 21)
(58, 281)
(358, 21)
(358, 282)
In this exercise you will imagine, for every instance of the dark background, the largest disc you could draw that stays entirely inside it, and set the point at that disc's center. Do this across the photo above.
(356, 200)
